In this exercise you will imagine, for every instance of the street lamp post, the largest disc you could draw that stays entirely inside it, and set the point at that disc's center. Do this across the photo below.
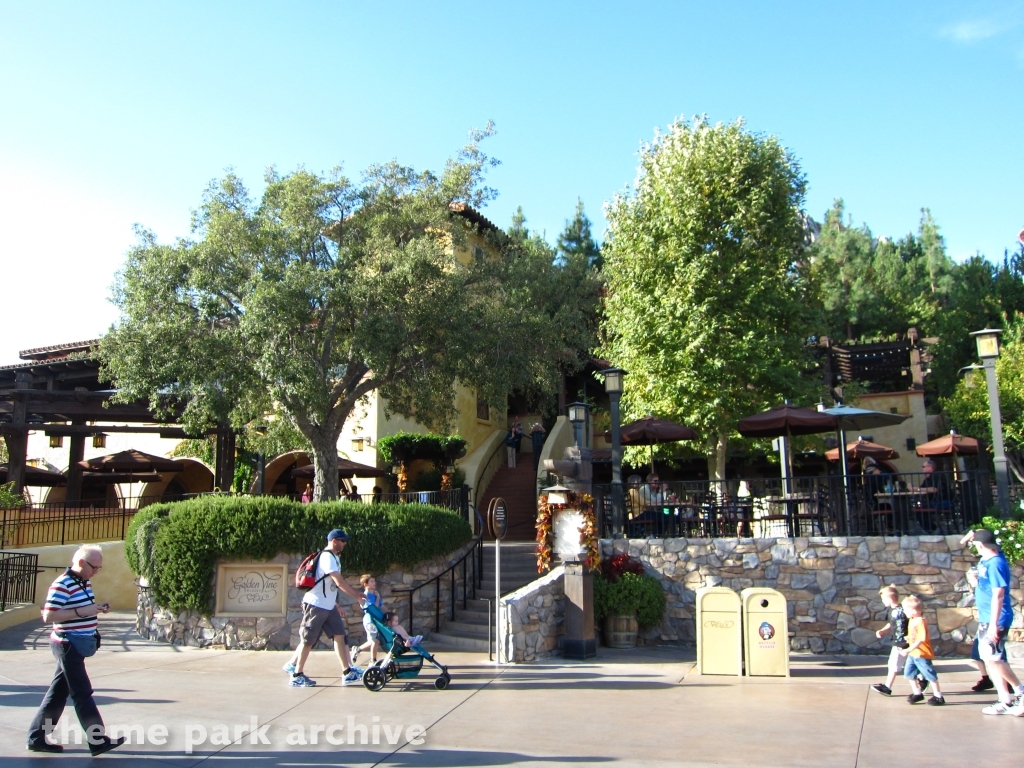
(613, 386)
(578, 417)
(988, 350)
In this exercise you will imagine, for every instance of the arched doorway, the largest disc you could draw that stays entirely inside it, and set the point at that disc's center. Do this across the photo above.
(278, 480)
(194, 479)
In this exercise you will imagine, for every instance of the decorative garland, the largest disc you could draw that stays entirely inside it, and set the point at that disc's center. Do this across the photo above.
(589, 541)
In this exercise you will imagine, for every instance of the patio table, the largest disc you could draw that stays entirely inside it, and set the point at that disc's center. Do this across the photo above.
(906, 503)
(792, 502)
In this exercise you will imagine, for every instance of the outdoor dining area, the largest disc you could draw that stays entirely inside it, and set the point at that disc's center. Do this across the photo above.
(863, 495)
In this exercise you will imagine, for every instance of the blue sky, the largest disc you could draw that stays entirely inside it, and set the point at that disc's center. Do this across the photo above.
(116, 113)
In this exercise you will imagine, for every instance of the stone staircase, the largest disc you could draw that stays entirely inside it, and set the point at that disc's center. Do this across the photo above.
(518, 487)
(469, 630)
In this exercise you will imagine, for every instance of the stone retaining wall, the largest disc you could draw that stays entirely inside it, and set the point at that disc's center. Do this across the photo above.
(282, 633)
(831, 584)
(531, 618)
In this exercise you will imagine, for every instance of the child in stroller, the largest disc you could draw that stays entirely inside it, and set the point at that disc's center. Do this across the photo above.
(404, 655)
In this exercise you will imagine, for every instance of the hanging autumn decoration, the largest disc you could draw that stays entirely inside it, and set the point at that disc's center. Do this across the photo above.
(589, 538)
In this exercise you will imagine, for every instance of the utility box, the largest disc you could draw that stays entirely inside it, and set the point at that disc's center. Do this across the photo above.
(719, 641)
(765, 632)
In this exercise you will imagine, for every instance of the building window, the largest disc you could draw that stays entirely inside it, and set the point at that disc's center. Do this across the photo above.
(483, 410)
(478, 253)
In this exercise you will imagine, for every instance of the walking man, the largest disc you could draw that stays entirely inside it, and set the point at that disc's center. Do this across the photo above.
(72, 608)
(321, 613)
(995, 615)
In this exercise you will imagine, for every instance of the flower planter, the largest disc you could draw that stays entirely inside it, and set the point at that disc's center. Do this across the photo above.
(620, 631)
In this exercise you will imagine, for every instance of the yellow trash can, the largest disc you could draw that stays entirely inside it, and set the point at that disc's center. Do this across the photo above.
(765, 632)
(719, 642)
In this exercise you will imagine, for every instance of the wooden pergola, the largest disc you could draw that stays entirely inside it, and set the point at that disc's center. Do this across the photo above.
(57, 390)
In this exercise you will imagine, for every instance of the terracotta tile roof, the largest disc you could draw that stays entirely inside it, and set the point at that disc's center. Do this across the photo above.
(58, 350)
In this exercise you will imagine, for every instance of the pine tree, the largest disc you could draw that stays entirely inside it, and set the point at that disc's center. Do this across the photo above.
(577, 240)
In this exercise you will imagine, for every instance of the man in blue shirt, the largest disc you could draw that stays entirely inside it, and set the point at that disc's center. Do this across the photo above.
(995, 615)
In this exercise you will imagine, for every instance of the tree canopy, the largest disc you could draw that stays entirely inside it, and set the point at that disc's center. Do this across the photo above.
(324, 291)
(706, 305)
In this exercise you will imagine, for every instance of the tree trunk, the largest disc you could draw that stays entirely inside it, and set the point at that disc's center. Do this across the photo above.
(325, 464)
(716, 463)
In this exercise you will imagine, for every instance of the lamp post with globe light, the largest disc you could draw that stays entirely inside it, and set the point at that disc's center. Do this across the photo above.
(988, 350)
(613, 387)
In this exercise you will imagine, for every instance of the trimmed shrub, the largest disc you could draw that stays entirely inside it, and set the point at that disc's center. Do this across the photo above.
(622, 589)
(1009, 537)
(192, 535)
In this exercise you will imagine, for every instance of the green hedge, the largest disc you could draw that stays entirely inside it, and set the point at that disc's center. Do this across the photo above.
(176, 545)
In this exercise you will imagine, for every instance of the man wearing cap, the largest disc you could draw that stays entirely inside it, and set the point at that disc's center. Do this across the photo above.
(995, 615)
(321, 613)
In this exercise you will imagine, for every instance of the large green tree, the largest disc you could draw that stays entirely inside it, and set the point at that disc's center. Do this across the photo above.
(706, 305)
(841, 268)
(568, 287)
(324, 291)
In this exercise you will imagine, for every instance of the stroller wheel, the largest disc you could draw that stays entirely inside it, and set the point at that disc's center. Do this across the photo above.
(390, 671)
(374, 679)
(442, 682)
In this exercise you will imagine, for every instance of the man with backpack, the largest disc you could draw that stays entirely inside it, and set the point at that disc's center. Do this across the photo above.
(321, 612)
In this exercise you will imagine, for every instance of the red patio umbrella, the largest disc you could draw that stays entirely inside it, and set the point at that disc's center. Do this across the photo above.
(346, 468)
(37, 477)
(650, 430)
(785, 421)
(863, 449)
(135, 462)
(949, 444)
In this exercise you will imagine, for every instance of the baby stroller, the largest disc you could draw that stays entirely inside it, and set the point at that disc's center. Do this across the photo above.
(401, 661)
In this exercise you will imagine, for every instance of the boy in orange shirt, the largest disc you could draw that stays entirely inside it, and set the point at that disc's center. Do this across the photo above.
(920, 655)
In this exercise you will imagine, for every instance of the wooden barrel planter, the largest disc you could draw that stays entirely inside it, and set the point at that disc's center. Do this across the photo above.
(620, 631)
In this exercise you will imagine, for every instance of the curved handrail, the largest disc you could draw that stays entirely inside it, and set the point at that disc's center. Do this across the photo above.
(477, 547)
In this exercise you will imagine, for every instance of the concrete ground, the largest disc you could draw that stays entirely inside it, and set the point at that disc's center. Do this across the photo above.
(625, 708)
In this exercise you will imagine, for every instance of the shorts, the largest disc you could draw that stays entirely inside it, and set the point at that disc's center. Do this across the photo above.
(990, 652)
(316, 620)
(371, 629)
(918, 667)
(897, 659)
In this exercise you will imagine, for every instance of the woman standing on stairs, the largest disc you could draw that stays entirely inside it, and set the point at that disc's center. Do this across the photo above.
(510, 447)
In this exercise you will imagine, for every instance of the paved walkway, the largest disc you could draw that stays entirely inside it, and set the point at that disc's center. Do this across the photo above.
(626, 708)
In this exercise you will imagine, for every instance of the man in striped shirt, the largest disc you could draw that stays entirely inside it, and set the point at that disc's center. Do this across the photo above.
(71, 607)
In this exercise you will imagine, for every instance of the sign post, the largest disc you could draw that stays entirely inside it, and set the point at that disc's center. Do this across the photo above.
(498, 521)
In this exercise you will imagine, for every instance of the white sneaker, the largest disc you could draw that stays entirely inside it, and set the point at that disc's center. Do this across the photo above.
(354, 654)
(996, 709)
(1016, 707)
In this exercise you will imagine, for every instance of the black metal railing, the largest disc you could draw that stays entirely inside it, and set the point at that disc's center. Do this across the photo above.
(473, 555)
(905, 504)
(17, 578)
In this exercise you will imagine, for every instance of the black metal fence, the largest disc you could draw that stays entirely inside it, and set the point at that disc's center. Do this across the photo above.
(17, 578)
(905, 504)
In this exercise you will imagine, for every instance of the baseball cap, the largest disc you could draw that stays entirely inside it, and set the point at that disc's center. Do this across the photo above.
(984, 536)
(337, 533)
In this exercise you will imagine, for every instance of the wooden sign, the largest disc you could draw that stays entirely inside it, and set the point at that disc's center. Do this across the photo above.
(252, 589)
(497, 518)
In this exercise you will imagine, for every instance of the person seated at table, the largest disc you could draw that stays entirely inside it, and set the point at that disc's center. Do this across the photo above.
(668, 496)
(936, 484)
(650, 492)
(874, 483)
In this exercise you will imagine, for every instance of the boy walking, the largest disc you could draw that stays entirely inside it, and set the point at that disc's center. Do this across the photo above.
(897, 628)
(920, 655)
(370, 597)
